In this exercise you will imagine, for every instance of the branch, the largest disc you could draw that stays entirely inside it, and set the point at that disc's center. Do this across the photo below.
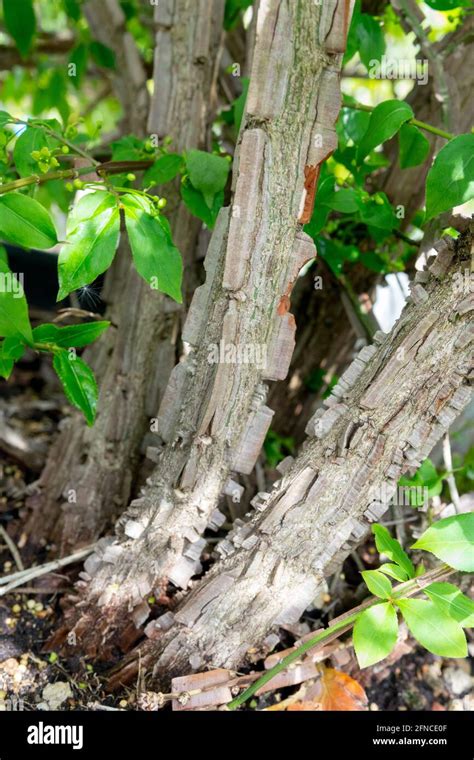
(339, 626)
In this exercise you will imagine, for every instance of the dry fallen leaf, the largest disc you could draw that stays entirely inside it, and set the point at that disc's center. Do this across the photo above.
(335, 690)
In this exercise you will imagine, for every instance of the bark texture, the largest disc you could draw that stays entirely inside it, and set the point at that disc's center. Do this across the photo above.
(97, 465)
(324, 339)
(388, 411)
(107, 23)
(213, 417)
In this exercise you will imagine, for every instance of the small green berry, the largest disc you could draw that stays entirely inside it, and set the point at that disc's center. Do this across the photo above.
(162, 203)
(131, 177)
(65, 149)
(69, 186)
(78, 184)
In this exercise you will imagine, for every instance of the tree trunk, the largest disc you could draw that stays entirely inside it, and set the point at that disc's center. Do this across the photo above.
(94, 467)
(324, 338)
(388, 411)
(213, 416)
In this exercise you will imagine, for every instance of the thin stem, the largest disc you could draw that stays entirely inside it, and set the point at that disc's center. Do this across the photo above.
(75, 148)
(12, 581)
(415, 122)
(37, 179)
(448, 463)
(338, 626)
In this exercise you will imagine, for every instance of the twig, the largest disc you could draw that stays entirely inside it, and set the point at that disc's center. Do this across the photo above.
(340, 625)
(415, 122)
(13, 549)
(448, 463)
(12, 581)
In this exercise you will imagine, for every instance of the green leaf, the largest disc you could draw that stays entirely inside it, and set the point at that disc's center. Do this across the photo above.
(79, 58)
(93, 230)
(31, 139)
(25, 222)
(239, 103)
(163, 170)
(157, 260)
(452, 601)
(72, 9)
(378, 212)
(78, 382)
(451, 540)
(354, 123)
(346, 201)
(377, 583)
(11, 349)
(395, 571)
(391, 548)
(233, 9)
(385, 121)
(75, 336)
(20, 23)
(102, 55)
(375, 634)
(5, 118)
(414, 147)
(450, 181)
(195, 202)
(438, 632)
(208, 173)
(370, 38)
(447, 5)
(14, 319)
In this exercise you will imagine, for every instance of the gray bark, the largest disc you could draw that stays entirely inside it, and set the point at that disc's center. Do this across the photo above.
(384, 417)
(213, 416)
(135, 357)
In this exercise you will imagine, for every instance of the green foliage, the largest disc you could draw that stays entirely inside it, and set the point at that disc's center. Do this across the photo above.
(437, 631)
(20, 22)
(375, 634)
(277, 447)
(453, 602)
(102, 55)
(14, 319)
(78, 382)
(75, 336)
(394, 571)
(414, 147)
(426, 477)
(157, 260)
(450, 181)
(377, 583)
(93, 229)
(233, 11)
(451, 540)
(207, 173)
(391, 548)
(25, 222)
(369, 39)
(195, 202)
(447, 5)
(34, 140)
(165, 169)
(385, 121)
(436, 623)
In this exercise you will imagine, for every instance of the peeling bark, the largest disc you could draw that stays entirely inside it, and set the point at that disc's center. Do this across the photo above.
(133, 360)
(213, 417)
(389, 409)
